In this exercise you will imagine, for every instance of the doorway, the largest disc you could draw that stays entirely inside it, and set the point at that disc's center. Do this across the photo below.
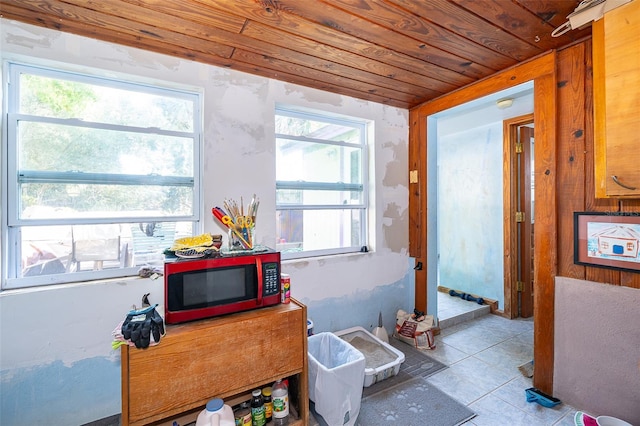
(423, 197)
(469, 185)
(518, 216)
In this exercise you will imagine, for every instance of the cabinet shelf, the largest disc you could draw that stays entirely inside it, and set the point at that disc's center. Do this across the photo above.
(224, 357)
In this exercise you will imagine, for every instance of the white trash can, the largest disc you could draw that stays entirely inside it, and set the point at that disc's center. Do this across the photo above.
(336, 374)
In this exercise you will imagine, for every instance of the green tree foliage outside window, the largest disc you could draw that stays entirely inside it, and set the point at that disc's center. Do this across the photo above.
(85, 149)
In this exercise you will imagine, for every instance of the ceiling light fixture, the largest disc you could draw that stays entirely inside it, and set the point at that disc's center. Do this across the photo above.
(504, 103)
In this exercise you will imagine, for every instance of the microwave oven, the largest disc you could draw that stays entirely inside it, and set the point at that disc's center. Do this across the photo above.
(208, 287)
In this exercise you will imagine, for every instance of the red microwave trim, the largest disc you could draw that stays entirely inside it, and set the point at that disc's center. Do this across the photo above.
(179, 266)
(177, 317)
(185, 265)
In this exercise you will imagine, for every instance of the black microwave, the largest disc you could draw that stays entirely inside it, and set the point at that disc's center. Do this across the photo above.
(208, 287)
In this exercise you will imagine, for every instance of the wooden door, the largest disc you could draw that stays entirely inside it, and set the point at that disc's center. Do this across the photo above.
(525, 226)
(518, 216)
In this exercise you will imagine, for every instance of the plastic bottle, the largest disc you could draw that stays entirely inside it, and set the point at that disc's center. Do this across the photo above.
(268, 404)
(216, 413)
(280, 397)
(257, 408)
(243, 414)
(285, 288)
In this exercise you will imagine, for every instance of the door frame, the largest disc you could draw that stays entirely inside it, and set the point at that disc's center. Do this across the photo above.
(510, 133)
(542, 70)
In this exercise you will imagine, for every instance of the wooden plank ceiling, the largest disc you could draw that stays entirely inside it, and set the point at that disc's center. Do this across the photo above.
(395, 52)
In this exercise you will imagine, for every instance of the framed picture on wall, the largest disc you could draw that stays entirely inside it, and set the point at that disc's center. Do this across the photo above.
(607, 240)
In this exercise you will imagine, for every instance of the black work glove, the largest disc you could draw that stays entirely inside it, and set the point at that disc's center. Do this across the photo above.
(157, 326)
(140, 324)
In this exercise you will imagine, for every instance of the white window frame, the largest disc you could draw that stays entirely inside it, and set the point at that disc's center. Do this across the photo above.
(10, 251)
(363, 126)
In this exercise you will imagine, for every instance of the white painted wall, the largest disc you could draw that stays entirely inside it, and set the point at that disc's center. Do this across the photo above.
(56, 362)
(597, 348)
(470, 211)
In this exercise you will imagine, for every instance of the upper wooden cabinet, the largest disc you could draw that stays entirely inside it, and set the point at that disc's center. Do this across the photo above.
(616, 95)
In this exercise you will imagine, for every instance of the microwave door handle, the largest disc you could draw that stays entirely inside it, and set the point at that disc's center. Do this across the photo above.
(259, 267)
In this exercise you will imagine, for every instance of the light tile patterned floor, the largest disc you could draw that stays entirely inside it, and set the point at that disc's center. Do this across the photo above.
(453, 310)
(483, 355)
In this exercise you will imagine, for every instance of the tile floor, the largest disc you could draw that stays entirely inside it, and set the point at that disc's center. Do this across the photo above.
(483, 355)
(454, 310)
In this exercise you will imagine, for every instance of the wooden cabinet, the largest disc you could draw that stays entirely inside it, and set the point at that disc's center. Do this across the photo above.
(225, 357)
(616, 93)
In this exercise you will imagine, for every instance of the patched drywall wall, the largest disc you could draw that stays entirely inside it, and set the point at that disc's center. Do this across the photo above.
(362, 306)
(60, 337)
(56, 362)
(597, 348)
(395, 188)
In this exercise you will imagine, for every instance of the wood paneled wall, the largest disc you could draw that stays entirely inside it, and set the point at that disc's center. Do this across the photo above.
(564, 181)
(575, 186)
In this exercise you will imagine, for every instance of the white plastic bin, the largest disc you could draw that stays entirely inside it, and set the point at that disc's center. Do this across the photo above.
(381, 359)
(336, 373)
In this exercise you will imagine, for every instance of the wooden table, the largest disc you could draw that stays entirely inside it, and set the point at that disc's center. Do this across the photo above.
(224, 357)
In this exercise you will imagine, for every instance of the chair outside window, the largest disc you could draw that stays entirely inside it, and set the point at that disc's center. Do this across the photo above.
(97, 244)
(149, 240)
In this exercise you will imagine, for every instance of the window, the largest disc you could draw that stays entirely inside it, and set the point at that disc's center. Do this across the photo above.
(101, 175)
(321, 183)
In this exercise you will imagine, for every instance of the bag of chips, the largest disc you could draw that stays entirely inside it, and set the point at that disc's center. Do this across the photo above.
(415, 329)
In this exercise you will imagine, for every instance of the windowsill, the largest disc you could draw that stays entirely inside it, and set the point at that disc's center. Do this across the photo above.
(319, 258)
(125, 279)
(59, 286)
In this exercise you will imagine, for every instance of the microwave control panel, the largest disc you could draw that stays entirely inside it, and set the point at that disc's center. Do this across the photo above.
(271, 276)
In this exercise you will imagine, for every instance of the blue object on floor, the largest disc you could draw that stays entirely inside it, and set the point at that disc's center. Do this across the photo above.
(535, 395)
